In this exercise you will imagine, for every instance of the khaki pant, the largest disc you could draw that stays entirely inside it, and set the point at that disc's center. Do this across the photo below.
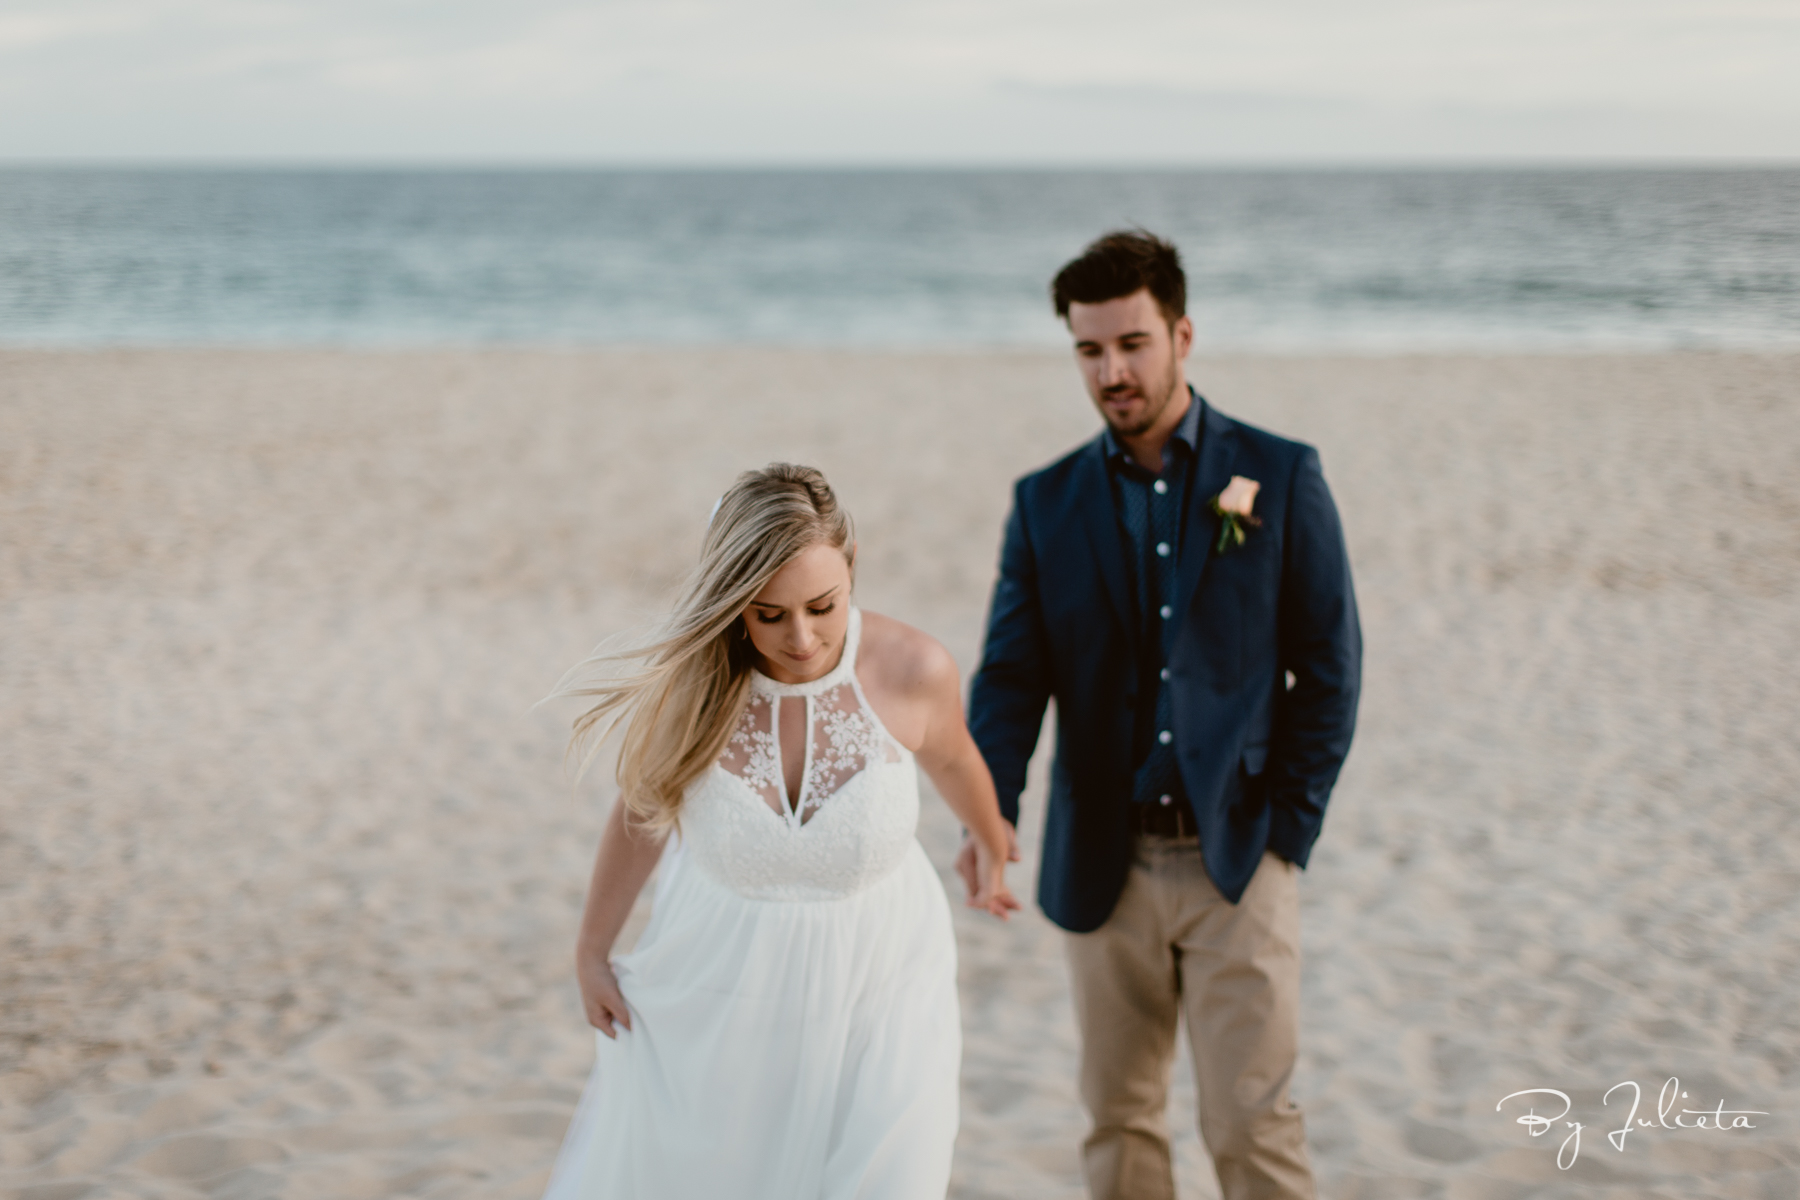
(1174, 946)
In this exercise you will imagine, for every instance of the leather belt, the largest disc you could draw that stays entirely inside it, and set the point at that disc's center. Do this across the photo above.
(1174, 820)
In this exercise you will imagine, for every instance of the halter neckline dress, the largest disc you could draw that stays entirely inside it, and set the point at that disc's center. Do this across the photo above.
(795, 1029)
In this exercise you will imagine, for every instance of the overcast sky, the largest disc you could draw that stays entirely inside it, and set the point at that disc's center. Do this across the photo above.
(925, 81)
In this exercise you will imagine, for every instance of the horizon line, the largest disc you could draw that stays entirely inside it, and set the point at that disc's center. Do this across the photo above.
(876, 166)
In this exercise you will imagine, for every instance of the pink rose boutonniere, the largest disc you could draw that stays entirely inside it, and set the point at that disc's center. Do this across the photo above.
(1235, 519)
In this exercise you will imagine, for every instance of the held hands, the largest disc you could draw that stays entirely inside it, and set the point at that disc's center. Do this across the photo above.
(601, 998)
(984, 874)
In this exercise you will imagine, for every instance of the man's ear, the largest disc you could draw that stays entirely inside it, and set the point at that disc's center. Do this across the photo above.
(1182, 334)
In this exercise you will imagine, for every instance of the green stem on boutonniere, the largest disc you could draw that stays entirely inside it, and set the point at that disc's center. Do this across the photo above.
(1234, 528)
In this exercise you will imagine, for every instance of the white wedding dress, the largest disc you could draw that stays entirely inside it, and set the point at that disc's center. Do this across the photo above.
(794, 1025)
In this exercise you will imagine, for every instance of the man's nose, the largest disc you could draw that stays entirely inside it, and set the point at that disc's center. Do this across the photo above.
(1112, 368)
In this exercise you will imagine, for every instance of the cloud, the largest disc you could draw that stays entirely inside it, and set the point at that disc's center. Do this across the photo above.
(823, 80)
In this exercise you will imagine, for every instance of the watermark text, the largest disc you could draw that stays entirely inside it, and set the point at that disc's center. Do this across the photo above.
(1668, 1116)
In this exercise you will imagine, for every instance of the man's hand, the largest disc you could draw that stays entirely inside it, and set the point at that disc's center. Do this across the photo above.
(968, 863)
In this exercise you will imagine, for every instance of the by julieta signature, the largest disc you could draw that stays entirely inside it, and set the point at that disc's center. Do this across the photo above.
(1671, 1094)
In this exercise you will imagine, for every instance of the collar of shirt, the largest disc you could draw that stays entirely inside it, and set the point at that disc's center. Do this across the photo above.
(1186, 435)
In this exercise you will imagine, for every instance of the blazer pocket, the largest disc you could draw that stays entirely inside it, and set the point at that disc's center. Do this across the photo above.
(1256, 757)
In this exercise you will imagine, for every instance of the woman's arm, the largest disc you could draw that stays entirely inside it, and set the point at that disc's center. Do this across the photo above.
(625, 860)
(955, 766)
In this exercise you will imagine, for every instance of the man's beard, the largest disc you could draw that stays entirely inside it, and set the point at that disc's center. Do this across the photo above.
(1153, 411)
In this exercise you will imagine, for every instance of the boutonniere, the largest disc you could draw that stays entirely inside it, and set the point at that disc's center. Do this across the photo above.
(1235, 519)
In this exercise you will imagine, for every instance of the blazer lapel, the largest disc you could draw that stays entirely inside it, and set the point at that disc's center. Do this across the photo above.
(1094, 495)
(1218, 451)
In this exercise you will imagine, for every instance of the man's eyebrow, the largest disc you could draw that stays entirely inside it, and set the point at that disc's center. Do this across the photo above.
(1123, 337)
(814, 600)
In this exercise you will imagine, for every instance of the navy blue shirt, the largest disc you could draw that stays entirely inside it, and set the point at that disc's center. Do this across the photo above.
(1151, 507)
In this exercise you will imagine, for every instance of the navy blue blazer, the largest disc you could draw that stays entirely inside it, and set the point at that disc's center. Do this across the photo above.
(1258, 756)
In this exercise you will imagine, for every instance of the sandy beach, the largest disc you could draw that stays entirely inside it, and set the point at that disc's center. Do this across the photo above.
(290, 871)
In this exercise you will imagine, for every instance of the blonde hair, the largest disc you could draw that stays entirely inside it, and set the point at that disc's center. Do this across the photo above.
(686, 684)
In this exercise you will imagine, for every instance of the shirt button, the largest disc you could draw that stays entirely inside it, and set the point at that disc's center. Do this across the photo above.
(1165, 674)
(1164, 612)
(1165, 801)
(1165, 737)
(1160, 488)
(1162, 549)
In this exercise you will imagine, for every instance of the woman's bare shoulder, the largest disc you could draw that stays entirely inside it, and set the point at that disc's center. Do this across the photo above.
(904, 659)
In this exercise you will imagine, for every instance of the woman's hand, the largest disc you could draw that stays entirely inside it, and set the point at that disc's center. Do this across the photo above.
(601, 998)
(969, 863)
(987, 888)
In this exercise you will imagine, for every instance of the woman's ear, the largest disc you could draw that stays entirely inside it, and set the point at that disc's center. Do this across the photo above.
(852, 560)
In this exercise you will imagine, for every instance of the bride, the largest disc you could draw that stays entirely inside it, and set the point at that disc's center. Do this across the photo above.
(787, 1025)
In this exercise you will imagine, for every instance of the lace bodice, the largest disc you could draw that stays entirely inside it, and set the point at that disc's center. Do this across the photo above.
(858, 805)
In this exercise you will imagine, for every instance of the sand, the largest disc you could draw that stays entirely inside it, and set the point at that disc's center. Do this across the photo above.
(289, 875)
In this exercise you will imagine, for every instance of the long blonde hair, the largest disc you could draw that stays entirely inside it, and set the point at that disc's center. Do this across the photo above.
(684, 686)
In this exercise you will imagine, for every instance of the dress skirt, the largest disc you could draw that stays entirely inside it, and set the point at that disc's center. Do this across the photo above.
(779, 1049)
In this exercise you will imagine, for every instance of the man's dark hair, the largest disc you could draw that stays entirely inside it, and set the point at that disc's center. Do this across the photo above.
(1119, 264)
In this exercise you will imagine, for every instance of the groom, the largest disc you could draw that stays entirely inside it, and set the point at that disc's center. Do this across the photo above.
(1179, 586)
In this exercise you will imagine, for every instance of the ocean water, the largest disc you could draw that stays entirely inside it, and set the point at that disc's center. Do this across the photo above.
(1277, 260)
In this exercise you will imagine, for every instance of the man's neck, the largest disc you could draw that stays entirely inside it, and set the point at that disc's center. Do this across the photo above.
(1146, 449)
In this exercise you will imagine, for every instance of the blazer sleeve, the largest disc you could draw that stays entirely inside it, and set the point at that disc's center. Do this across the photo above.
(1012, 685)
(1320, 642)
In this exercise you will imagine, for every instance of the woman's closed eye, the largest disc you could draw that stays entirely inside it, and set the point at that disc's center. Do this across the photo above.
(766, 618)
